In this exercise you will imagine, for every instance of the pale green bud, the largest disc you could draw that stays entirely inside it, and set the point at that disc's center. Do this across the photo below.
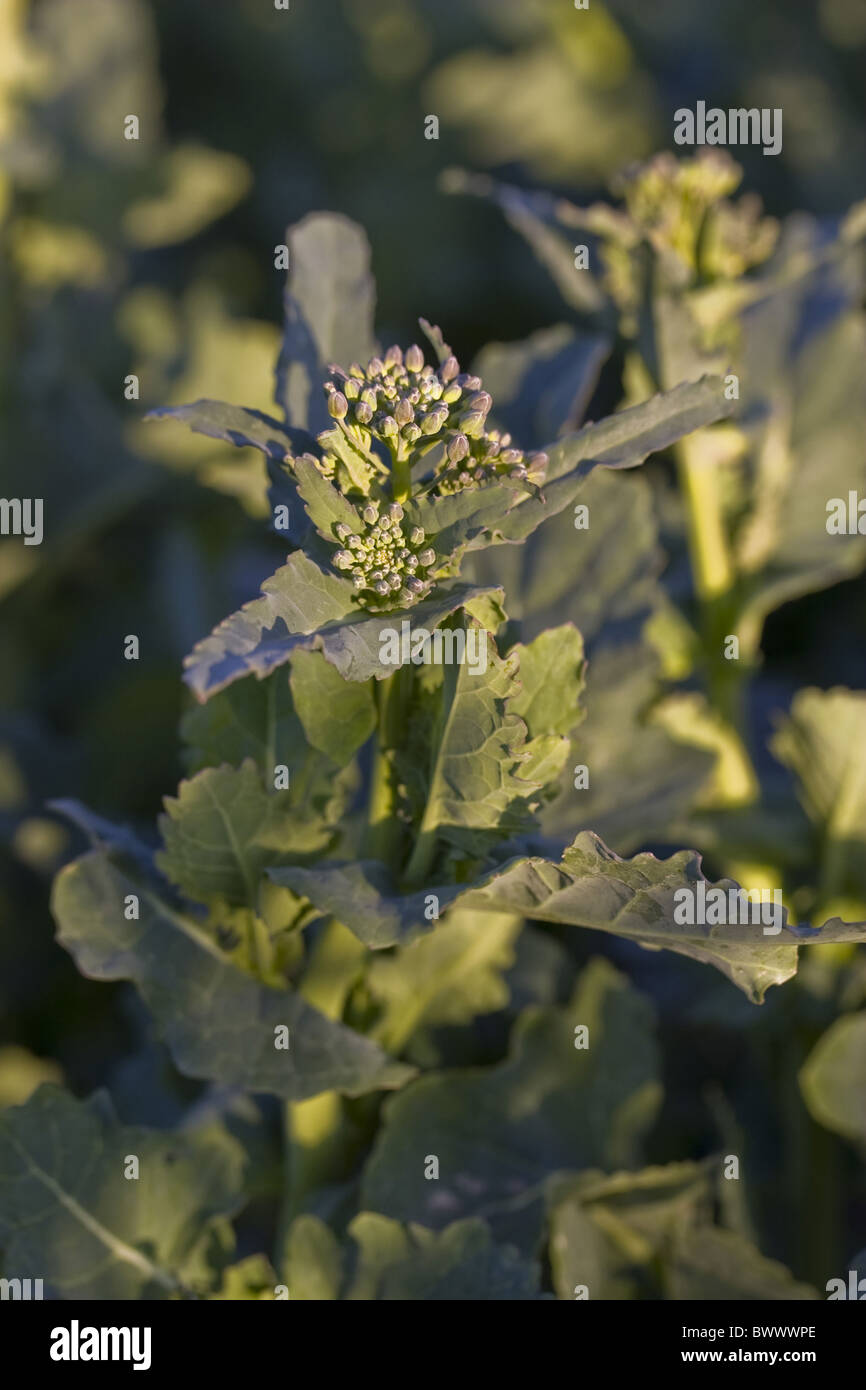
(338, 406)
(427, 557)
(414, 358)
(417, 535)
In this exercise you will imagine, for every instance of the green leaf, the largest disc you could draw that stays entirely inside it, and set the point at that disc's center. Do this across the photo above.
(499, 1133)
(610, 1234)
(446, 977)
(635, 898)
(314, 1261)
(237, 425)
(338, 716)
(823, 742)
(218, 1021)
(224, 828)
(390, 1261)
(542, 385)
(589, 887)
(473, 519)
(833, 1079)
(303, 608)
(70, 1216)
(710, 1264)
(249, 719)
(551, 682)
(475, 789)
(329, 302)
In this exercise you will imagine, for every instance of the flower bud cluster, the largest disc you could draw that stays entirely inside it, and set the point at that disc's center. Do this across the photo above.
(413, 409)
(389, 561)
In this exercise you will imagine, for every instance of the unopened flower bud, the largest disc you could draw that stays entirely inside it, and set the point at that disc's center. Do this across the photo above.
(427, 557)
(370, 514)
(458, 448)
(363, 413)
(375, 367)
(417, 535)
(411, 433)
(388, 426)
(381, 587)
(393, 357)
(403, 413)
(338, 406)
(344, 560)
(414, 359)
(414, 586)
(472, 423)
(343, 531)
(452, 395)
(482, 401)
(539, 460)
(449, 369)
(395, 512)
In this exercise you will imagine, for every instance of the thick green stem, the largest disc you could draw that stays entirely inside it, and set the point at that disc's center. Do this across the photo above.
(714, 579)
(314, 1134)
(384, 832)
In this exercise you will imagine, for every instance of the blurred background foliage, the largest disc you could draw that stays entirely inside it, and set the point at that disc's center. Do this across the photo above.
(155, 258)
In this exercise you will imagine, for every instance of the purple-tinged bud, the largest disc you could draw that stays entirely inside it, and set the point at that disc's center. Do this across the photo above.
(338, 406)
(427, 557)
(395, 512)
(458, 448)
(414, 358)
(382, 587)
(363, 412)
(482, 401)
(415, 586)
(394, 357)
(393, 580)
(539, 460)
(403, 413)
(375, 367)
(449, 369)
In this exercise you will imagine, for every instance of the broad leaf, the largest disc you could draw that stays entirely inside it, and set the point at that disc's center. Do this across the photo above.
(446, 977)
(337, 715)
(70, 1215)
(328, 303)
(823, 742)
(610, 1235)
(542, 385)
(391, 1261)
(236, 425)
(833, 1079)
(224, 828)
(304, 608)
(709, 1264)
(219, 1022)
(498, 1134)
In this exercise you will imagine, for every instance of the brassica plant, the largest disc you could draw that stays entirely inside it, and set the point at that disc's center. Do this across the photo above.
(420, 763)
